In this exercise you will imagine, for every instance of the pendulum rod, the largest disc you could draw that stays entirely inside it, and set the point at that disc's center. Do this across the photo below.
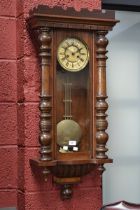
(67, 100)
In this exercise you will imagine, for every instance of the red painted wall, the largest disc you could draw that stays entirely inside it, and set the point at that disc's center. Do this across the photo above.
(19, 91)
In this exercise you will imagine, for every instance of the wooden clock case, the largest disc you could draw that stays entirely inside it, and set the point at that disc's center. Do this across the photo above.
(49, 27)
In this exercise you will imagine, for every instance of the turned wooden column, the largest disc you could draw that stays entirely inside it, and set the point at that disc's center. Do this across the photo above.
(101, 96)
(45, 106)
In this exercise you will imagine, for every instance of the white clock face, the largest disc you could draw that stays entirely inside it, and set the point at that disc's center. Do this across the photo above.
(72, 54)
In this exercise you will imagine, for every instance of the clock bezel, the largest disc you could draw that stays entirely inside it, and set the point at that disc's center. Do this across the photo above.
(80, 67)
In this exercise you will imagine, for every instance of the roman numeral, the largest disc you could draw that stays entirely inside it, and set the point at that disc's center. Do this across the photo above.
(82, 59)
(67, 64)
(83, 53)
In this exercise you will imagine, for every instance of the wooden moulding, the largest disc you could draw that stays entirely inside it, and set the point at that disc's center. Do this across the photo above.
(59, 18)
(42, 23)
(40, 163)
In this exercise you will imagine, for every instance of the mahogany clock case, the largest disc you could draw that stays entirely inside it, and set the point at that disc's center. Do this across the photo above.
(87, 94)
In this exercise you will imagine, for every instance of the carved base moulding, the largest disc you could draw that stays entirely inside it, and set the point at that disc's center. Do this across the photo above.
(69, 169)
(72, 50)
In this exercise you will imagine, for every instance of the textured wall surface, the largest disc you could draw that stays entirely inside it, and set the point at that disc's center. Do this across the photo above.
(20, 185)
(8, 104)
(77, 4)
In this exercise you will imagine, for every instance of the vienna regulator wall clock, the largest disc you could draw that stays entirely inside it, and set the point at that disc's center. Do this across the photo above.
(72, 49)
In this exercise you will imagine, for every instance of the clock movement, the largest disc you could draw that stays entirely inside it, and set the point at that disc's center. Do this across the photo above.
(72, 49)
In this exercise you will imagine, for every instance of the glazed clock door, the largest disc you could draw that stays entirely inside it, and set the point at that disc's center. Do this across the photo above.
(74, 95)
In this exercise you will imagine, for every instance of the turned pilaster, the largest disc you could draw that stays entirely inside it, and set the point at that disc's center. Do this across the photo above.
(45, 106)
(101, 104)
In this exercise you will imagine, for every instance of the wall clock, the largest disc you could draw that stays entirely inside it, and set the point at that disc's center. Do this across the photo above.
(72, 49)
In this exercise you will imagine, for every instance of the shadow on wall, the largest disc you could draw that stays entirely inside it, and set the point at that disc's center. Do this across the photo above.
(123, 75)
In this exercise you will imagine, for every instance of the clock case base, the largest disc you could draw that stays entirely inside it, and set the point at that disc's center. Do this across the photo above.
(41, 22)
(68, 173)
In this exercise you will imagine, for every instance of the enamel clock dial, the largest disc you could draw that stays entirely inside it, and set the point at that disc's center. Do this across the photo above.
(73, 54)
